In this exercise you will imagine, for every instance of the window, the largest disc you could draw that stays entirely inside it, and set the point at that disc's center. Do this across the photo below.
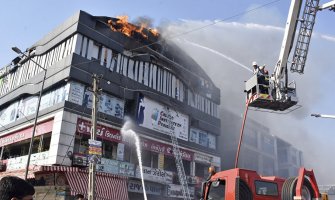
(201, 170)
(170, 164)
(266, 188)
(217, 190)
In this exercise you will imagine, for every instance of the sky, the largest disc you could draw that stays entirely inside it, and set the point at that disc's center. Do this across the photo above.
(232, 34)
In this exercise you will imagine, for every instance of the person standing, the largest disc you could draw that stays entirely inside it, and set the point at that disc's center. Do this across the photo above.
(255, 67)
(15, 188)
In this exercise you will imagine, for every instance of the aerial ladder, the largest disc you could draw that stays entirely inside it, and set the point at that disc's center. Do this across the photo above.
(180, 167)
(277, 94)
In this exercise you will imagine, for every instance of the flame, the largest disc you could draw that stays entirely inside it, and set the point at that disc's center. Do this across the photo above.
(122, 25)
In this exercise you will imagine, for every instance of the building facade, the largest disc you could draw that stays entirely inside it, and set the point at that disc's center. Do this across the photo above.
(261, 151)
(143, 80)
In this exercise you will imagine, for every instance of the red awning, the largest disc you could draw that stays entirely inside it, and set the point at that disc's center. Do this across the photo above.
(108, 186)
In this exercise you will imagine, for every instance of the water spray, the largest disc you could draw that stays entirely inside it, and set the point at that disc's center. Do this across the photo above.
(128, 133)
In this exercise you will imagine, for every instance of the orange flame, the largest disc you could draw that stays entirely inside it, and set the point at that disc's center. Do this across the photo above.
(122, 25)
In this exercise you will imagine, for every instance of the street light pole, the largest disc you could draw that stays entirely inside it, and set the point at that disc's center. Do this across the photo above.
(17, 50)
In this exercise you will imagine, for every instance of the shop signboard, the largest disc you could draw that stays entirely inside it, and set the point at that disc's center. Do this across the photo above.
(155, 175)
(76, 93)
(120, 152)
(211, 141)
(202, 158)
(176, 191)
(165, 149)
(126, 169)
(108, 166)
(103, 132)
(158, 117)
(150, 188)
(21, 162)
(42, 128)
(107, 104)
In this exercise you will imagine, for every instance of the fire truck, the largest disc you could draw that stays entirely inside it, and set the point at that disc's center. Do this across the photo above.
(273, 93)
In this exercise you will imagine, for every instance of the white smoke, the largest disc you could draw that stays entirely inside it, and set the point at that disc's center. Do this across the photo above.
(225, 50)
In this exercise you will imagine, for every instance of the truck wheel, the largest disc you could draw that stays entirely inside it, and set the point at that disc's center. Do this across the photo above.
(289, 186)
(244, 191)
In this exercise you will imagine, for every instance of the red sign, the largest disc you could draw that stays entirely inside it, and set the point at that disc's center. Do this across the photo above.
(165, 149)
(41, 128)
(104, 132)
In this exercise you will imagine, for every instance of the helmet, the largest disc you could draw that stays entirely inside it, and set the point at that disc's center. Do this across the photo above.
(254, 63)
(261, 67)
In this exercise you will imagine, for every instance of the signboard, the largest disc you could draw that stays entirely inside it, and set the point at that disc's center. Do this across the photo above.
(21, 162)
(150, 188)
(160, 161)
(104, 132)
(202, 158)
(107, 104)
(156, 175)
(42, 128)
(120, 152)
(76, 93)
(211, 141)
(161, 118)
(176, 191)
(165, 149)
(116, 167)
(194, 135)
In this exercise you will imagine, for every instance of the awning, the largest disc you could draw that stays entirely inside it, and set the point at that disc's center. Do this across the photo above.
(108, 186)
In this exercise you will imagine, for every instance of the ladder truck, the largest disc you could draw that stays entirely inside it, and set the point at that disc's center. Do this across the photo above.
(276, 95)
(274, 92)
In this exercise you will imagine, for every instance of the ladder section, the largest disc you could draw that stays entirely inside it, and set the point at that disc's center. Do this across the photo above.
(304, 36)
(180, 167)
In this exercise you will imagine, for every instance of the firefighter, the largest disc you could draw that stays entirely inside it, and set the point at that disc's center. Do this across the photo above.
(255, 67)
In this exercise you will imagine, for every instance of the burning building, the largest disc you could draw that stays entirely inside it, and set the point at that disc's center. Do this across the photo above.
(155, 84)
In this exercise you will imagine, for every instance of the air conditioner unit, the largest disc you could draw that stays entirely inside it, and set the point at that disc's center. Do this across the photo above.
(79, 160)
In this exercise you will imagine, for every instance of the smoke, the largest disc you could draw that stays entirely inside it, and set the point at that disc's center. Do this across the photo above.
(226, 51)
(145, 21)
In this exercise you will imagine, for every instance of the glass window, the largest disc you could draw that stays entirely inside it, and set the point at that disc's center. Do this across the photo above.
(217, 190)
(170, 164)
(266, 188)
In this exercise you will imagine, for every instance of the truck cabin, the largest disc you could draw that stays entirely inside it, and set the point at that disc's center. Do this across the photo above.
(241, 184)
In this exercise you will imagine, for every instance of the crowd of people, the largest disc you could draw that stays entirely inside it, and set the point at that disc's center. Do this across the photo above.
(15, 188)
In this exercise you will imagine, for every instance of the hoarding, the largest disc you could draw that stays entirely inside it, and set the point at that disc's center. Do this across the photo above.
(155, 175)
(150, 188)
(158, 117)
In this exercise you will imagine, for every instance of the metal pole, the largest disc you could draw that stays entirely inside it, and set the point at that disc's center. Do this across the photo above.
(323, 116)
(35, 123)
(18, 51)
(92, 165)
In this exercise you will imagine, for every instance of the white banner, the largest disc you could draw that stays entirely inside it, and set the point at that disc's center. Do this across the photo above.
(211, 141)
(176, 191)
(150, 188)
(21, 162)
(202, 158)
(107, 104)
(120, 151)
(156, 175)
(76, 93)
(161, 118)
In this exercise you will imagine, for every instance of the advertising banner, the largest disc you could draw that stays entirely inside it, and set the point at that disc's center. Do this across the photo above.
(42, 128)
(76, 93)
(154, 174)
(107, 104)
(202, 158)
(161, 118)
(165, 149)
(20, 162)
(150, 188)
(176, 191)
(211, 141)
(104, 132)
